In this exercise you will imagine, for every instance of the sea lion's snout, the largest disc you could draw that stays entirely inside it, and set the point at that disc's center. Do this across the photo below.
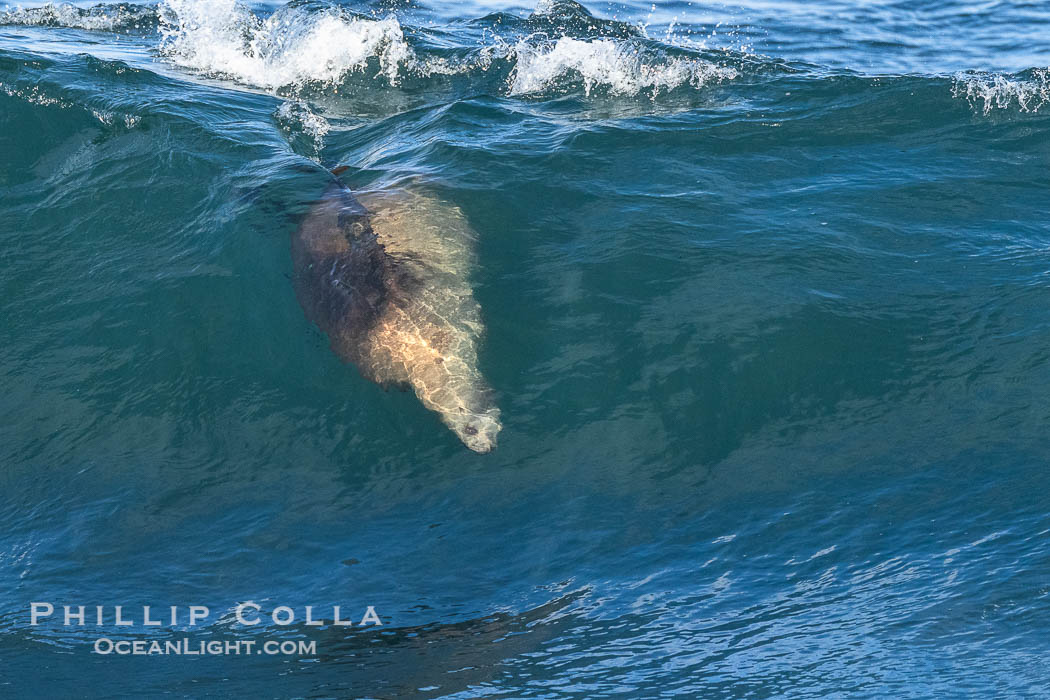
(479, 431)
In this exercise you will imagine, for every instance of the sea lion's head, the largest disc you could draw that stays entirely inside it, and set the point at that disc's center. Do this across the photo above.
(478, 431)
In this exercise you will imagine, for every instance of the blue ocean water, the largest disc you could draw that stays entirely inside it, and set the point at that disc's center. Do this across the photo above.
(766, 294)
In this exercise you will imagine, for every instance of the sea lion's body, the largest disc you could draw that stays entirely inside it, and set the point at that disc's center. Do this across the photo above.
(390, 289)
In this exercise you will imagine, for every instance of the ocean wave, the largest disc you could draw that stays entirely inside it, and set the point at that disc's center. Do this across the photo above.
(620, 67)
(301, 48)
(120, 17)
(291, 47)
(990, 92)
(300, 45)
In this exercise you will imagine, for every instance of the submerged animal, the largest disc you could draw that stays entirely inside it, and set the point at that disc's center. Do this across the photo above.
(389, 286)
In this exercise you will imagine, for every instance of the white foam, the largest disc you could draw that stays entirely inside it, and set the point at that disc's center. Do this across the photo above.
(299, 45)
(297, 115)
(619, 66)
(100, 18)
(994, 91)
(291, 47)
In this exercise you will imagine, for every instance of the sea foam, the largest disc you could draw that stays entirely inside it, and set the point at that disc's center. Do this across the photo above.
(292, 46)
(122, 17)
(994, 91)
(620, 66)
(310, 44)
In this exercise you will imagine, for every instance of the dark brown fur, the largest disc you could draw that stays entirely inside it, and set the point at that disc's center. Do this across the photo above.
(343, 277)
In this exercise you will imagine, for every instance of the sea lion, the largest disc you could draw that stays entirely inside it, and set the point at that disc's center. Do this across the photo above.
(390, 289)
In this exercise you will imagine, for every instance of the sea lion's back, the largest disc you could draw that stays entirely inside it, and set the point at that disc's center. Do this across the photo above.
(339, 268)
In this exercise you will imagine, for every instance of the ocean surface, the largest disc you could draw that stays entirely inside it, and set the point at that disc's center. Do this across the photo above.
(766, 295)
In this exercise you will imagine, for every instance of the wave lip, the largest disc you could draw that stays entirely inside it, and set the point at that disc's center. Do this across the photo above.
(987, 92)
(560, 48)
(120, 17)
(621, 67)
(291, 47)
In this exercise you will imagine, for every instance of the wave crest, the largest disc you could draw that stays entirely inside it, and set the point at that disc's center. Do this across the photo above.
(1028, 92)
(291, 47)
(303, 47)
(121, 17)
(620, 67)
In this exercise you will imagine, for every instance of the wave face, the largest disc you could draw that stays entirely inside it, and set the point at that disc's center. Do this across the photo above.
(764, 296)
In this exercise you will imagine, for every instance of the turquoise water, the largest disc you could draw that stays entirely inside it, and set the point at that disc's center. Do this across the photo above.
(766, 289)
